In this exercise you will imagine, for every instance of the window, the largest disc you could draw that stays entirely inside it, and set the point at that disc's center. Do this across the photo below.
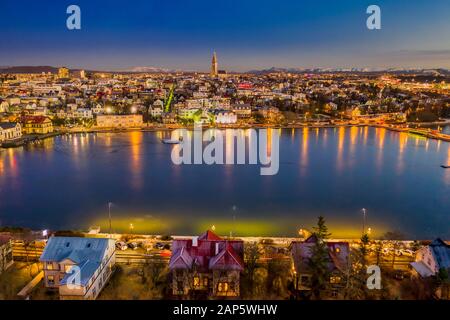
(335, 279)
(49, 266)
(205, 282)
(51, 280)
(338, 250)
(67, 268)
(196, 282)
(222, 287)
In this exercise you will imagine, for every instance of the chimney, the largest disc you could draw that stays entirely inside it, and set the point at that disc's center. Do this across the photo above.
(217, 248)
(194, 241)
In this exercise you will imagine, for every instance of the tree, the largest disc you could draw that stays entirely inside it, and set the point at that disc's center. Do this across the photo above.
(319, 259)
(252, 252)
(363, 249)
(356, 288)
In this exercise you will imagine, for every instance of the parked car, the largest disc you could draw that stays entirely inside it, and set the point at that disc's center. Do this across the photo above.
(121, 245)
(408, 252)
(132, 245)
(159, 245)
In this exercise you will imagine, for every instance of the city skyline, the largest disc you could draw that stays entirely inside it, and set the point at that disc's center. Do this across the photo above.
(247, 35)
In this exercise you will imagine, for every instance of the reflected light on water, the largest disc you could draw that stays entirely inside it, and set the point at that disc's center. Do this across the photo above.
(304, 155)
(340, 149)
(136, 165)
(402, 143)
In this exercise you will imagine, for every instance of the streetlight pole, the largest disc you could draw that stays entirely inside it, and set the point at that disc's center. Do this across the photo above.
(109, 215)
(234, 221)
(364, 221)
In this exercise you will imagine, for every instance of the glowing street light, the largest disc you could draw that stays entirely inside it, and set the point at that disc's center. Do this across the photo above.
(364, 211)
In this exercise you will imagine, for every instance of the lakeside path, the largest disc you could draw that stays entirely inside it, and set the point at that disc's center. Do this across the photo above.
(428, 133)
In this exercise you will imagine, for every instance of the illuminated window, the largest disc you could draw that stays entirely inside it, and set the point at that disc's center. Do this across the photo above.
(205, 282)
(338, 250)
(335, 279)
(67, 268)
(196, 282)
(49, 266)
(222, 287)
(50, 280)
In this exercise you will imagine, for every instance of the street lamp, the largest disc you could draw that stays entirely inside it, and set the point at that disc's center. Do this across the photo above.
(131, 228)
(364, 211)
(303, 233)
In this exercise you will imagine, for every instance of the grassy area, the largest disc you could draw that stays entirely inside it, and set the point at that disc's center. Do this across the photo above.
(136, 282)
(15, 278)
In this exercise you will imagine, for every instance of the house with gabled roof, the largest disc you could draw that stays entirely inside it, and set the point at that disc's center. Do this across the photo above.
(78, 267)
(337, 262)
(432, 258)
(206, 265)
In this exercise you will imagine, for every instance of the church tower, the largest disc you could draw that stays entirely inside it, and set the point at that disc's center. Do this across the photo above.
(214, 66)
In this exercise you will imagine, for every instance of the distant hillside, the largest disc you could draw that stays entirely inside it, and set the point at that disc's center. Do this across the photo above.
(28, 69)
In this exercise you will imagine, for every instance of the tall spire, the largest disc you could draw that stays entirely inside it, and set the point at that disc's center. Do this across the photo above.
(214, 65)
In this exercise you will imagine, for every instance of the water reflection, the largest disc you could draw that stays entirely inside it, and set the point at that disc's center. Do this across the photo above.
(136, 159)
(340, 149)
(61, 182)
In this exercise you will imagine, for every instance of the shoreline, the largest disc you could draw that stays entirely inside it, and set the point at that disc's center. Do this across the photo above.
(418, 129)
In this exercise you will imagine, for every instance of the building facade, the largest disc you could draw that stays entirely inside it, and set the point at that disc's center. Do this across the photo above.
(120, 121)
(6, 254)
(225, 117)
(78, 267)
(206, 265)
(36, 125)
(337, 261)
(214, 66)
(10, 131)
(432, 258)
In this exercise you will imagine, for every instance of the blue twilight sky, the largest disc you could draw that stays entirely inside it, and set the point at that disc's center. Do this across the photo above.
(246, 34)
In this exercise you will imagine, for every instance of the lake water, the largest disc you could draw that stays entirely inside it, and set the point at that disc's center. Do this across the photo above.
(66, 183)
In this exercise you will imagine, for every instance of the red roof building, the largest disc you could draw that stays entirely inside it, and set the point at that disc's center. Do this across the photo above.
(207, 265)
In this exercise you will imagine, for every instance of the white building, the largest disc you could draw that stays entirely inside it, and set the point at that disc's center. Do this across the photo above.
(97, 109)
(430, 259)
(225, 117)
(83, 113)
(10, 131)
(156, 109)
(78, 267)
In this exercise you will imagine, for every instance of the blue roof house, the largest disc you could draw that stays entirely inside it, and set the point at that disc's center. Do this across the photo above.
(78, 267)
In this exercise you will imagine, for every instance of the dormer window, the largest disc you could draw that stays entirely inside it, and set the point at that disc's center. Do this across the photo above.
(88, 245)
(67, 244)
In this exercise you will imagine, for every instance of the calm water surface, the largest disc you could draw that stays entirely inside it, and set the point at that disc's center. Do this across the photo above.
(66, 183)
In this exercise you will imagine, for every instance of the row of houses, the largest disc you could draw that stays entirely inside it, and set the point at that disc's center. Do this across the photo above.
(31, 124)
(10, 131)
(207, 265)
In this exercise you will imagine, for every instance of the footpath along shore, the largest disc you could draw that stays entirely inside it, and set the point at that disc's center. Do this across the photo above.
(425, 132)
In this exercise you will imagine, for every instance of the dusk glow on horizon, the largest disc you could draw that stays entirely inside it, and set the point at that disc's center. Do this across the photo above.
(246, 35)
